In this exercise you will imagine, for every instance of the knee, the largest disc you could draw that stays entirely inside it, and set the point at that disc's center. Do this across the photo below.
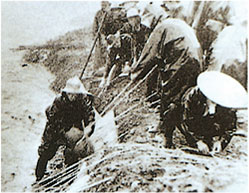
(168, 134)
(70, 156)
(47, 151)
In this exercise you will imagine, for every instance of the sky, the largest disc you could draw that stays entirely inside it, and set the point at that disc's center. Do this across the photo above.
(32, 22)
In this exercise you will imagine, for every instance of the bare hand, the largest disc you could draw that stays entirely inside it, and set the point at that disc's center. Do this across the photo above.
(216, 147)
(203, 148)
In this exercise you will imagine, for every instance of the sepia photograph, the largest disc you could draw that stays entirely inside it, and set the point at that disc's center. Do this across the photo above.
(124, 96)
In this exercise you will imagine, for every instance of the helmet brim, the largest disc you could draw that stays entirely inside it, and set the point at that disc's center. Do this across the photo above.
(222, 89)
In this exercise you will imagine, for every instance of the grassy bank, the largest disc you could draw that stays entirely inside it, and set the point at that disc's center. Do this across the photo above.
(64, 57)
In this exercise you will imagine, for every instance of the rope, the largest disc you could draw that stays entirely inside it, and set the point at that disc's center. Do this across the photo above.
(69, 169)
(65, 170)
(122, 92)
(55, 181)
(134, 106)
(131, 90)
(96, 183)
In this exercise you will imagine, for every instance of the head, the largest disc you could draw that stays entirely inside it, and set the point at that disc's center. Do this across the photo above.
(73, 87)
(214, 25)
(135, 22)
(105, 5)
(134, 18)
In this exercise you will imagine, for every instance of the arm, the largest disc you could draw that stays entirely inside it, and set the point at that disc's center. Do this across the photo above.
(50, 134)
(96, 24)
(89, 118)
(227, 120)
(150, 56)
(193, 108)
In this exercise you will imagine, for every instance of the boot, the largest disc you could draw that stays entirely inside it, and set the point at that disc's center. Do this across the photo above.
(41, 168)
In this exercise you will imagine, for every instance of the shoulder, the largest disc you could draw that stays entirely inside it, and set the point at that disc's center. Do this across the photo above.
(99, 13)
(56, 100)
(90, 99)
(60, 100)
(190, 93)
(86, 99)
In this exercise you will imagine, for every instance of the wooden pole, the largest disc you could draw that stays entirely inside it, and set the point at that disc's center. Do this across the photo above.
(94, 43)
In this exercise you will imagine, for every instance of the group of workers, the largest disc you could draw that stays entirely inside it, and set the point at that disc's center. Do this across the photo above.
(133, 40)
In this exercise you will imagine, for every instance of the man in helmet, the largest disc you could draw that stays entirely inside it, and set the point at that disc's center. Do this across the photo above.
(174, 48)
(137, 31)
(125, 46)
(233, 59)
(101, 44)
(209, 112)
(67, 118)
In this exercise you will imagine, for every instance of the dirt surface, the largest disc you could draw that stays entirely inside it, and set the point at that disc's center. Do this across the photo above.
(137, 162)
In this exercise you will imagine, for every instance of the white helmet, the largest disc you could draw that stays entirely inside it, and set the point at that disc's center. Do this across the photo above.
(222, 89)
(129, 4)
(74, 85)
(132, 12)
(147, 19)
(116, 5)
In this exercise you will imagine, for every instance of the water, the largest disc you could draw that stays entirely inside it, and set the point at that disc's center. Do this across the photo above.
(29, 22)
(24, 98)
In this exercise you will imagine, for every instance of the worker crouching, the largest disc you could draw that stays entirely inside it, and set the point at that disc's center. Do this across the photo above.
(209, 112)
(67, 118)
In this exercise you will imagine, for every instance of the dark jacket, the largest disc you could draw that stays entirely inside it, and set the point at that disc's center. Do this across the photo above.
(200, 125)
(174, 47)
(138, 37)
(113, 21)
(131, 45)
(64, 114)
(167, 42)
(97, 22)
